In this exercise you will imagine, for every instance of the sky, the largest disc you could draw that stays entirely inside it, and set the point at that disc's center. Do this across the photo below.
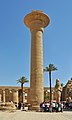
(15, 40)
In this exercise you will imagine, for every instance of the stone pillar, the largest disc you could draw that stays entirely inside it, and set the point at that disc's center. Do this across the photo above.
(15, 96)
(10, 95)
(4, 96)
(23, 97)
(0, 98)
(36, 21)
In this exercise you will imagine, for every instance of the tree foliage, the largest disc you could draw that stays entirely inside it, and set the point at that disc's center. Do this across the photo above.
(49, 69)
(22, 80)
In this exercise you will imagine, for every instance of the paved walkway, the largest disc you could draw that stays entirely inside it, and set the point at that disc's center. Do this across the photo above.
(22, 115)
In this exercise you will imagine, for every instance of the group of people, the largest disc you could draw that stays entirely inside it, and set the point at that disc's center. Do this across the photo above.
(52, 107)
(59, 107)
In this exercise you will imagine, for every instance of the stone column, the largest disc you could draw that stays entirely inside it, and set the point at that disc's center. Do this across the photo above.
(4, 96)
(23, 97)
(15, 96)
(36, 21)
(0, 98)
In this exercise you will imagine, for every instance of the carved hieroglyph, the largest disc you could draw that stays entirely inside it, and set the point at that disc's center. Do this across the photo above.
(36, 21)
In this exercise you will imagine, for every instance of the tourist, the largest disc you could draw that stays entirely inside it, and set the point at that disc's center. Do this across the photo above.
(56, 107)
(42, 106)
(53, 106)
(21, 106)
(46, 109)
(59, 107)
(50, 107)
(62, 106)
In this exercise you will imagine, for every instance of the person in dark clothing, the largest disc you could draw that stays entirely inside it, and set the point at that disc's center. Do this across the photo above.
(19, 106)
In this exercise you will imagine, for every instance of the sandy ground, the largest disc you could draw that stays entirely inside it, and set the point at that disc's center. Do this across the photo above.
(22, 115)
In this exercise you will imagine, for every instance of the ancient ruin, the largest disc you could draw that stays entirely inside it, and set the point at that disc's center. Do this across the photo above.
(36, 21)
(58, 90)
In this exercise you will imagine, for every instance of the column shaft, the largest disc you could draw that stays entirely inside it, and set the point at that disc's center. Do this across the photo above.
(4, 96)
(15, 96)
(0, 98)
(36, 83)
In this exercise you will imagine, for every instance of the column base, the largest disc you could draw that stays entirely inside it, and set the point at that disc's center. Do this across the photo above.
(35, 108)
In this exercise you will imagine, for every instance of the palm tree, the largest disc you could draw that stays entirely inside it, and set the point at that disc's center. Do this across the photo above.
(22, 80)
(49, 69)
(62, 90)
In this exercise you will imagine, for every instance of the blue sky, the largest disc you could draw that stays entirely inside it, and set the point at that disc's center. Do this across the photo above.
(15, 41)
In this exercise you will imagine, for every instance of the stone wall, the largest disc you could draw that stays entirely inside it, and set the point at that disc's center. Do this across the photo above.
(11, 93)
(67, 90)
